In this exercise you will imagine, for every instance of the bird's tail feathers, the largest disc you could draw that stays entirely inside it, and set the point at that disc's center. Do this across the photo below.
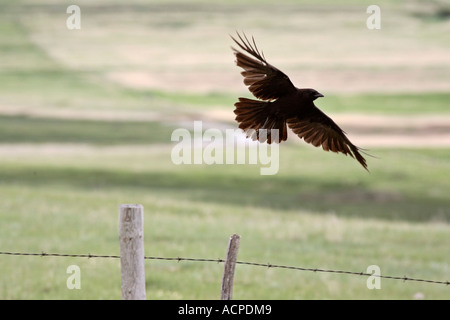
(255, 119)
(357, 155)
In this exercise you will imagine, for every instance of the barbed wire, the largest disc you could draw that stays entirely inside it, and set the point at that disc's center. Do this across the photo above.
(265, 265)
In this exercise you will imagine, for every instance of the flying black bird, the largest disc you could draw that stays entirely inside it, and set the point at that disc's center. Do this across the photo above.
(281, 104)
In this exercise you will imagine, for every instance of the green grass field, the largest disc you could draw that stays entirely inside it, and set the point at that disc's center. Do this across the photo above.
(75, 143)
(395, 217)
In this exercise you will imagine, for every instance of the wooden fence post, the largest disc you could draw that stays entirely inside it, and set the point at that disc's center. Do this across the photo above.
(228, 269)
(131, 236)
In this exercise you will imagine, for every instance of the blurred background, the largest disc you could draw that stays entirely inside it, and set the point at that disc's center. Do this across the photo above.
(86, 117)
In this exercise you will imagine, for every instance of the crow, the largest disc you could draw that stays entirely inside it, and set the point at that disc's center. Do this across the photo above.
(282, 104)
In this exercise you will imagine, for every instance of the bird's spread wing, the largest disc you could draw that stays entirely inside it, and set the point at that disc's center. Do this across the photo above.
(317, 128)
(264, 80)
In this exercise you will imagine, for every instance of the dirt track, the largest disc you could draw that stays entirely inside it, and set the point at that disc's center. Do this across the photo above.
(384, 131)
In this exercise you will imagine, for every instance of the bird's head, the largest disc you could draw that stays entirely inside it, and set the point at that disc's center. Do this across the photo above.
(312, 94)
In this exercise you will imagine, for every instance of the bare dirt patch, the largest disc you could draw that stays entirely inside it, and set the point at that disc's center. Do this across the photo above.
(342, 81)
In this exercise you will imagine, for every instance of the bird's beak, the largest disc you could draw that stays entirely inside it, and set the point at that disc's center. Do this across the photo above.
(319, 95)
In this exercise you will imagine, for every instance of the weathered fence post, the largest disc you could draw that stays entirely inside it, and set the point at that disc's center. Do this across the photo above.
(131, 236)
(228, 269)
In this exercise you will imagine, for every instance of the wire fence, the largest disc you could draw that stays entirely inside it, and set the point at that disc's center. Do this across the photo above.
(265, 265)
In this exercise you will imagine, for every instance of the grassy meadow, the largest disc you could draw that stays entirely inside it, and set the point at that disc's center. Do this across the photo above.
(86, 118)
